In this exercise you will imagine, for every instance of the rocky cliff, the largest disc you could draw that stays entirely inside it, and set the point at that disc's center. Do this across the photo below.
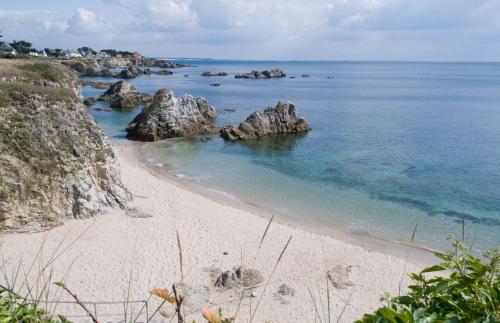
(283, 118)
(168, 117)
(55, 162)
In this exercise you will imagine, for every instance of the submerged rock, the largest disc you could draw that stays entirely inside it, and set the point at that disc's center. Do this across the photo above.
(122, 95)
(163, 72)
(168, 117)
(278, 120)
(274, 73)
(55, 161)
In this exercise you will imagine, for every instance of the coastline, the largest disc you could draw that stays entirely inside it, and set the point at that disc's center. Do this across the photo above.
(121, 255)
(419, 254)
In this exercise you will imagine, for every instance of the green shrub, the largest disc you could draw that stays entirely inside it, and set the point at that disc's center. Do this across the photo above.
(467, 290)
(14, 308)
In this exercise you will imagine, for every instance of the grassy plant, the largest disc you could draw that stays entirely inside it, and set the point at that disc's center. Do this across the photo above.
(45, 70)
(467, 291)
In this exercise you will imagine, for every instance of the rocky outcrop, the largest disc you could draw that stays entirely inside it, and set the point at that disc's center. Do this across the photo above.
(210, 74)
(89, 101)
(87, 67)
(96, 85)
(274, 73)
(168, 117)
(239, 277)
(283, 118)
(122, 95)
(55, 161)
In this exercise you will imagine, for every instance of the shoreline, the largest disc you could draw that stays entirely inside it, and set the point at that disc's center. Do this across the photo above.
(122, 254)
(422, 255)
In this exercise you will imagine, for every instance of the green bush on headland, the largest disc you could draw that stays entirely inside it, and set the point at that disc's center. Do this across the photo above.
(467, 291)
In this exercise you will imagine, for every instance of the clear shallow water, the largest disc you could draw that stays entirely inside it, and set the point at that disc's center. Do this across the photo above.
(392, 145)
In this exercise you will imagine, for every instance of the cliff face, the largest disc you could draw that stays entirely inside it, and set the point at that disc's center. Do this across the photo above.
(55, 162)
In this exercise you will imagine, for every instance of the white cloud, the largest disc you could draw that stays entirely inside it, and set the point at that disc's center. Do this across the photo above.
(160, 15)
(84, 22)
(347, 29)
(30, 22)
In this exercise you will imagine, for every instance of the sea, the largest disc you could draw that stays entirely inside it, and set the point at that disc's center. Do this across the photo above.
(393, 145)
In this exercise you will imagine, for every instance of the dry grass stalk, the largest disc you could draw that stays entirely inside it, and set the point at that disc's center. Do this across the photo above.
(265, 231)
(406, 261)
(315, 306)
(180, 255)
(345, 306)
(77, 300)
(178, 304)
(269, 279)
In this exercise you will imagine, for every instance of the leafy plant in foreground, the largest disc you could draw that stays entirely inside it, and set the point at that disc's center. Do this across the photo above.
(462, 289)
(14, 308)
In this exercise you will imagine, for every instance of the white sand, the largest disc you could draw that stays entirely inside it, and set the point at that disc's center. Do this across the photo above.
(116, 247)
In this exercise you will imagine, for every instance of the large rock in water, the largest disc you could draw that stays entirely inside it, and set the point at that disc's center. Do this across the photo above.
(55, 162)
(283, 118)
(123, 95)
(168, 117)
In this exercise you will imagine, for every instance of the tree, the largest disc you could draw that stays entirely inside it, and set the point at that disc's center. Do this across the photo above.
(86, 50)
(22, 46)
(54, 52)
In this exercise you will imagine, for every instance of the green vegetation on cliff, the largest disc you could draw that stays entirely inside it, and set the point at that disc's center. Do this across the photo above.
(55, 161)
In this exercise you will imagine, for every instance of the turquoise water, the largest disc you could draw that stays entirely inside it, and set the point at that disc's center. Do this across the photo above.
(392, 145)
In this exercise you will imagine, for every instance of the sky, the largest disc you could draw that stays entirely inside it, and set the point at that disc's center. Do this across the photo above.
(417, 30)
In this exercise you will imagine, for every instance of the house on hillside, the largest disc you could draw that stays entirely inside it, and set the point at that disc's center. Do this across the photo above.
(6, 49)
(136, 55)
(90, 55)
(102, 55)
(71, 53)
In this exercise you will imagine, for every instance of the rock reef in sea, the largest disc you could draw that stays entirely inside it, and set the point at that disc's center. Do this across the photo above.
(210, 74)
(123, 95)
(274, 73)
(168, 117)
(281, 119)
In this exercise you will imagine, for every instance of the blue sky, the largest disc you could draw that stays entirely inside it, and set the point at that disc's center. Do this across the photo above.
(423, 30)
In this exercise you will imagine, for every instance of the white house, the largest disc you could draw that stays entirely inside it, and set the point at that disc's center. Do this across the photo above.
(70, 53)
(90, 55)
(102, 55)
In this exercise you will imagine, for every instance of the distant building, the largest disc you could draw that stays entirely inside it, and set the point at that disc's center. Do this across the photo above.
(87, 52)
(90, 56)
(136, 55)
(119, 55)
(102, 55)
(42, 53)
(6, 49)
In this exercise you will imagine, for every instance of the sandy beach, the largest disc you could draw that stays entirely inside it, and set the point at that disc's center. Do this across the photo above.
(116, 256)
